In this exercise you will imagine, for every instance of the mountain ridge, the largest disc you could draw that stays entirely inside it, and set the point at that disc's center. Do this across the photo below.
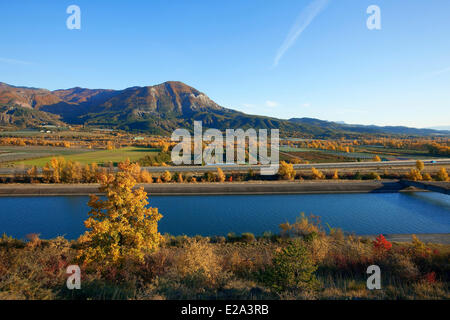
(160, 109)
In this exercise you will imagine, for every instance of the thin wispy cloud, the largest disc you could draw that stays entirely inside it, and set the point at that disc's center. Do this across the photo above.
(432, 74)
(14, 61)
(439, 72)
(304, 19)
(272, 104)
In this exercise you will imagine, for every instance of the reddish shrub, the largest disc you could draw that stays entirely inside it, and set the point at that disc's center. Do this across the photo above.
(381, 243)
(430, 277)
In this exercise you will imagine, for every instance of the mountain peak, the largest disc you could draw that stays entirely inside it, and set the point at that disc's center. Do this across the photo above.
(176, 86)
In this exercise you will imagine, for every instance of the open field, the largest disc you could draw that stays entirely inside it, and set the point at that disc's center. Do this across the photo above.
(53, 134)
(363, 153)
(313, 157)
(16, 154)
(351, 156)
(22, 133)
(395, 153)
(99, 157)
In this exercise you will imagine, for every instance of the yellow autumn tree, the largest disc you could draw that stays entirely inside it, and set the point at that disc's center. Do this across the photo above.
(57, 165)
(377, 159)
(317, 174)
(145, 177)
(94, 168)
(286, 171)
(47, 173)
(110, 145)
(442, 175)
(87, 173)
(415, 175)
(133, 168)
(336, 175)
(32, 173)
(420, 165)
(165, 146)
(71, 172)
(374, 176)
(121, 229)
(166, 176)
(220, 175)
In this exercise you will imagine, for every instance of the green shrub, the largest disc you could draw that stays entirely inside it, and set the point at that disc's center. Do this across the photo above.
(269, 235)
(292, 269)
(232, 237)
(209, 177)
(357, 176)
(248, 237)
(373, 176)
(10, 242)
(218, 239)
(302, 227)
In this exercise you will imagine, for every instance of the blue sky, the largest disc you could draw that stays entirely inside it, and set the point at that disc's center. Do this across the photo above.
(275, 58)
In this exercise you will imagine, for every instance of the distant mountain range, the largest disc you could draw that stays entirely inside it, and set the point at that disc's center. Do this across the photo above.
(158, 109)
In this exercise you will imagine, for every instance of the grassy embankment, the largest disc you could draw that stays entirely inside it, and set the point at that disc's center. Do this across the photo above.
(334, 267)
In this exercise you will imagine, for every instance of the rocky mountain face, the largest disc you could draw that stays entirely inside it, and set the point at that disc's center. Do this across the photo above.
(155, 109)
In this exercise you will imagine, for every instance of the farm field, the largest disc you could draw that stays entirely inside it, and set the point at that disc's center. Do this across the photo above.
(361, 152)
(56, 134)
(313, 157)
(351, 155)
(395, 154)
(100, 157)
(21, 133)
(12, 154)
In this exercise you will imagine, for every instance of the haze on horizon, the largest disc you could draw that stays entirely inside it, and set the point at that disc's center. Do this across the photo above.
(311, 58)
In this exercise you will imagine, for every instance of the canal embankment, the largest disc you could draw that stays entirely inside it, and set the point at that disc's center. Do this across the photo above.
(251, 187)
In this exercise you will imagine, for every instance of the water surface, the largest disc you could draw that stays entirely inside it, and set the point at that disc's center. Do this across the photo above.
(365, 213)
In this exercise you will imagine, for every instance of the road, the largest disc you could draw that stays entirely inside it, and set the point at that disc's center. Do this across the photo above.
(256, 168)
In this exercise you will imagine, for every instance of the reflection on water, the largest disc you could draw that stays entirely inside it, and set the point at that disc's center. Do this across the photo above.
(436, 199)
(365, 213)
